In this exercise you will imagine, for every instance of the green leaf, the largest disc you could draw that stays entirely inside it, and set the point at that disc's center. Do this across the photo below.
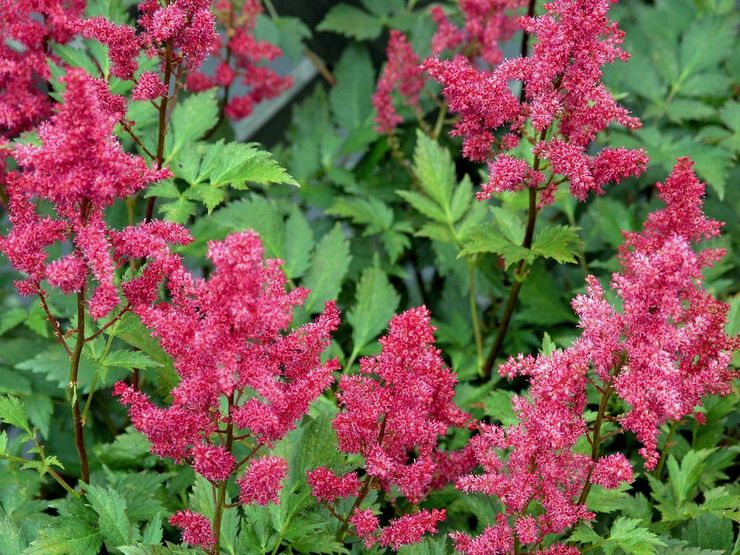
(485, 239)
(585, 534)
(435, 170)
(192, 118)
(699, 53)
(299, 243)
(39, 409)
(11, 534)
(3, 441)
(11, 318)
(125, 358)
(376, 302)
(498, 405)
(68, 536)
(237, 164)
(13, 412)
(328, 268)
(685, 109)
(627, 534)
(424, 205)
(178, 211)
(560, 243)
(111, 509)
(152, 534)
(709, 532)
(351, 98)
(351, 22)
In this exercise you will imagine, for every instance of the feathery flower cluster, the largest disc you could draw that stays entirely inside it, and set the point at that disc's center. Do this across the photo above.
(196, 529)
(241, 56)
(25, 28)
(399, 404)
(488, 23)
(563, 94)
(661, 355)
(670, 331)
(183, 30)
(226, 338)
(80, 168)
(401, 73)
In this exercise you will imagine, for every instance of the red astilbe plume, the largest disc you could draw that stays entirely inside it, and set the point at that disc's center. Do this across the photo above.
(242, 375)
(401, 73)
(80, 168)
(26, 27)
(661, 355)
(488, 24)
(563, 94)
(241, 57)
(393, 414)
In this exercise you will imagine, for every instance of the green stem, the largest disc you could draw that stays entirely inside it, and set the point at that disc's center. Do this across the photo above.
(221, 500)
(440, 122)
(74, 369)
(474, 314)
(360, 498)
(596, 441)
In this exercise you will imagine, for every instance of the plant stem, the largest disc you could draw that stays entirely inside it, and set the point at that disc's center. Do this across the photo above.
(516, 287)
(162, 131)
(474, 314)
(664, 453)
(221, 500)
(74, 369)
(440, 122)
(596, 441)
(53, 321)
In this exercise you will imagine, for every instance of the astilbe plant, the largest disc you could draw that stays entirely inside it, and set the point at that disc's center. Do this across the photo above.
(80, 169)
(244, 381)
(241, 60)
(393, 413)
(661, 354)
(545, 132)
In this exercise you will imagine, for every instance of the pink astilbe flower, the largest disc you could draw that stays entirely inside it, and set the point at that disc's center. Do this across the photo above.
(241, 57)
(663, 352)
(262, 481)
(365, 523)
(121, 40)
(401, 402)
(196, 528)
(401, 73)
(488, 24)
(26, 26)
(507, 173)
(410, 529)
(149, 87)
(327, 487)
(80, 168)
(562, 93)
(226, 335)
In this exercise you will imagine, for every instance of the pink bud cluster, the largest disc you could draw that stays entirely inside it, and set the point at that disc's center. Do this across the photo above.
(80, 168)
(401, 73)
(563, 107)
(241, 374)
(661, 354)
(488, 23)
(26, 26)
(241, 57)
(180, 32)
(393, 413)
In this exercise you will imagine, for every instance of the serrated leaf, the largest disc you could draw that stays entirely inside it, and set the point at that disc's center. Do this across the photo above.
(461, 198)
(192, 118)
(68, 536)
(627, 534)
(111, 510)
(11, 318)
(351, 22)
(152, 534)
(124, 358)
(375, 303)
(484, 239)
(237, 164)
(424, 205)
(11, 535)
(561, 243)
(3, 441)
(373, 213)
(13, 412)
(178, 211)
(299, 243)
(435, 171)
(351, 98)
(585, 534)
(697, 52)
(328, 268)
